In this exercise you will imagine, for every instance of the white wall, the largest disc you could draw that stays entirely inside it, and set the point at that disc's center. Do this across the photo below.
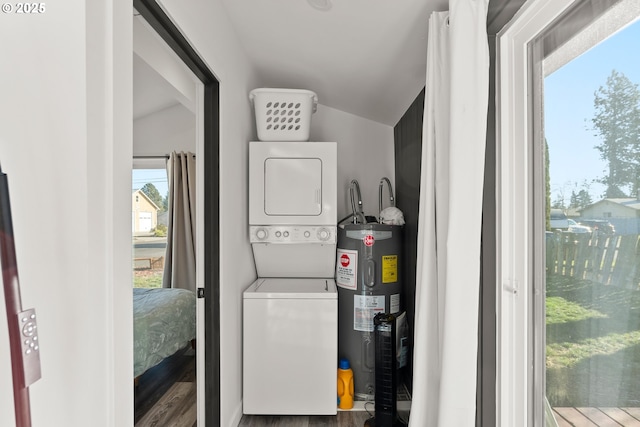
(365, 153)
(65, 141)
(171, 129)
(60, 139)
(206, 25)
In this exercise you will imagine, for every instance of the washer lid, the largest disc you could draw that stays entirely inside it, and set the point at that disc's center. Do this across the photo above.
(293, 288)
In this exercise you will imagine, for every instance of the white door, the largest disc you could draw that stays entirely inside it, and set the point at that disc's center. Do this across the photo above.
(144, 221)
(292, 183)
(292, 186)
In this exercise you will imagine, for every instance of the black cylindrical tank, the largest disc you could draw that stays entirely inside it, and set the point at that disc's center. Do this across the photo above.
(369, 282)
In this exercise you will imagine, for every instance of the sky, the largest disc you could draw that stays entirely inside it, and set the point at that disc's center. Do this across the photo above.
(157, 177)
(569, 97)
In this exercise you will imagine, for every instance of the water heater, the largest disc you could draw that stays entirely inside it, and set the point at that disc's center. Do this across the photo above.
(368, 276)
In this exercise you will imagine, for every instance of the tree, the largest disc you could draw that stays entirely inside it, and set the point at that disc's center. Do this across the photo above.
(558, 203)
(580, 199)
(617, 122)
(165, 202)
(547, 187)
(152, 192)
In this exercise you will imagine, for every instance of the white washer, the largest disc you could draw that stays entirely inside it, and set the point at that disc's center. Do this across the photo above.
(290, 346)
(291, 312)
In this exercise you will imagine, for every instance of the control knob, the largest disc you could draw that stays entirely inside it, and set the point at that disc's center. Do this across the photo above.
(324, 234)
(261, 233)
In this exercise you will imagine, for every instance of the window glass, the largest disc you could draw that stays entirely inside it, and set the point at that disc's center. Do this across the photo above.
(149, 226)
(592, 167)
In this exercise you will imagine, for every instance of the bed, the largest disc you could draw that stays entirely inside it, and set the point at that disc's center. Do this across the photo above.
(164, 321)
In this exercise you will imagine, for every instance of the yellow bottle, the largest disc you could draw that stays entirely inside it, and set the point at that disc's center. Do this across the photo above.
(345, 385)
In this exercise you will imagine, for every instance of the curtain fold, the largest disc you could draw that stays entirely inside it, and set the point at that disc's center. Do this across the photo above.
(450, 218)
(180, 260)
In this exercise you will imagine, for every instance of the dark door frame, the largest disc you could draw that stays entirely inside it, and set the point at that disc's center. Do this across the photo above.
(162, 24)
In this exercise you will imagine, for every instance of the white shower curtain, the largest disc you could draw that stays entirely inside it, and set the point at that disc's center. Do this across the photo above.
(180, 260)
(449, 223)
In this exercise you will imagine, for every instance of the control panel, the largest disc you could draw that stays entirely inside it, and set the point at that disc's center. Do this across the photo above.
(30, 346)
(292, 234)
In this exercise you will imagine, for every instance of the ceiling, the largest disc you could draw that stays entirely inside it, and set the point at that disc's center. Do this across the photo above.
(364, 57)
(151, 91)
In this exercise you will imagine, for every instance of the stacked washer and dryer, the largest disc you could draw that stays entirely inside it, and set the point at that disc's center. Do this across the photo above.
(290, 312)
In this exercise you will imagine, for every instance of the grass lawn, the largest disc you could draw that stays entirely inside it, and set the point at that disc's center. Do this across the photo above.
(593, 344)
(147, 278)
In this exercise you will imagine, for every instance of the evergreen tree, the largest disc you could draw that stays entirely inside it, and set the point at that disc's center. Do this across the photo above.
(617, 123)
(573, 201)
(165, 202)
(152, 192)
(580, 199)
(547, 185)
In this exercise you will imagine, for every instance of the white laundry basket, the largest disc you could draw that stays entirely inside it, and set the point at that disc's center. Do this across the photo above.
(283, 114)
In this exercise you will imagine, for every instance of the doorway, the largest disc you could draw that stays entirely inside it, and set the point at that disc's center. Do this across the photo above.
(208, 358)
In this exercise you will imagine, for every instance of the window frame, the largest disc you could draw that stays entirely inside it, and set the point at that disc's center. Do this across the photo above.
(538, 28)
(516, 294)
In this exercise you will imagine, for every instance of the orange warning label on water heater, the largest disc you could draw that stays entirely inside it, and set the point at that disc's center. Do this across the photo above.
(389, 268)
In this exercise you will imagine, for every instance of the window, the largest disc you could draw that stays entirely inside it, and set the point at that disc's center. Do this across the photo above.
(591, 105)
(563, 340)
(149, 226)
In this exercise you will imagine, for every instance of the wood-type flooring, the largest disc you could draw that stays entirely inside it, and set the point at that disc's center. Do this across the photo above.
(166, 397)
(343, 419)
(166, 394)
(589, 417)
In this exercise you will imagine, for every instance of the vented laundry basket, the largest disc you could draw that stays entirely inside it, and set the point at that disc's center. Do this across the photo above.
(283, 114)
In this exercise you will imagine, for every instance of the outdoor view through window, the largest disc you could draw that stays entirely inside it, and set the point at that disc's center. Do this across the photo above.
(592, 131)
(149, 226)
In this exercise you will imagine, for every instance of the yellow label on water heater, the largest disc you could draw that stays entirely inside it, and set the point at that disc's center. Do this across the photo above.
(389, 268)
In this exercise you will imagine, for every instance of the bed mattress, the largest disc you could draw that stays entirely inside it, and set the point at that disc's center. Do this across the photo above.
(164, 321)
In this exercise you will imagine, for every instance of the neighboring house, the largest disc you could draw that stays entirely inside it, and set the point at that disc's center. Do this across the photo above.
(623, 213)
(144, 213)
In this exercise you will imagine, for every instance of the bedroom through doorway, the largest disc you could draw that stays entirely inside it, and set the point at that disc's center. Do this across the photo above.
(164, 231)
(207, 210)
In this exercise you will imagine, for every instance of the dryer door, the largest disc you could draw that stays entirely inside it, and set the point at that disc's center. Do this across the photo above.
(292, 183)
(293, 186)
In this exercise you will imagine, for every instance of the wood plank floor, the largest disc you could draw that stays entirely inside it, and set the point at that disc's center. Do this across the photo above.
(603, 417)
(343, 419)
(166, 393)
(166, 396)
(353, 418)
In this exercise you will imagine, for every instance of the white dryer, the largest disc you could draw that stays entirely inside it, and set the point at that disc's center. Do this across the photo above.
(290, 312)
(292, 208)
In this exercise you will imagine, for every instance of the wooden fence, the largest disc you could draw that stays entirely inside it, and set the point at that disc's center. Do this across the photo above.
(610, 260)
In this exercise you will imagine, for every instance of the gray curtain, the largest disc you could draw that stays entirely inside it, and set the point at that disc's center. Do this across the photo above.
(180, 260)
